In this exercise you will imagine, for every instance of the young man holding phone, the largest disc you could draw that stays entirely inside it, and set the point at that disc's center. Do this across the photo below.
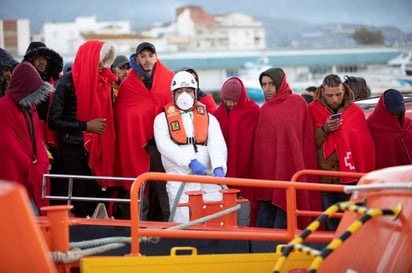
(343, 140)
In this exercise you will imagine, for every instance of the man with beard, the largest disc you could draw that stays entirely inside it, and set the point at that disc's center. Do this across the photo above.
(237, 115)
(343, 140)
(284, 144)
(49, 64)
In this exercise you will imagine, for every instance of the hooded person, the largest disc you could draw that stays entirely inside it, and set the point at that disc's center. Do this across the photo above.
(23, 155)
(50, 71)
(7, 64)
(142, 95)
(82, 115)
(49, 64)
(237, 116)
(391, 130)
(284, 144)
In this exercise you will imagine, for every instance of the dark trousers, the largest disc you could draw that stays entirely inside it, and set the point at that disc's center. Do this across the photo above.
(155, 205)
(329, 199)
(270, 216)
(74, 160)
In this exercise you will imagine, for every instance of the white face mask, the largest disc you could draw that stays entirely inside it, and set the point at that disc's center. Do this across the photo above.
(185, 101)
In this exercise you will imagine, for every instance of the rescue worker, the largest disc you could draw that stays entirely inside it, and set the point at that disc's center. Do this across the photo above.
(189, 140)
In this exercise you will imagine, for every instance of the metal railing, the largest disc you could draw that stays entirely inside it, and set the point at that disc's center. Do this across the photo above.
(231, 233)
(81, 178)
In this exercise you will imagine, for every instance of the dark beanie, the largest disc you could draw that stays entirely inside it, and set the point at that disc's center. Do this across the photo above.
(231, 89)
(26, 86)
(275, 73)
(394, 102)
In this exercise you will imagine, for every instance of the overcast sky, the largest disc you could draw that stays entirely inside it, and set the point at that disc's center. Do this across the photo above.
(396, 13)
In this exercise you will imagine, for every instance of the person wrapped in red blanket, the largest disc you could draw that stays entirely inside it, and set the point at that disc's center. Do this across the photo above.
(237, 115)
(391, 130)
(81, 113)
(142, 95)
(23, 157)
(284, 144)
(343, 141)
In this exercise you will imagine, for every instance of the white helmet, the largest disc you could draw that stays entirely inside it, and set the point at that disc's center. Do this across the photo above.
(183, 79)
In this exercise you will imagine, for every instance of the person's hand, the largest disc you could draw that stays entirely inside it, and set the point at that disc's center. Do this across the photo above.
(218, 172)
(97, 125)
(197, 167)
(331, 124)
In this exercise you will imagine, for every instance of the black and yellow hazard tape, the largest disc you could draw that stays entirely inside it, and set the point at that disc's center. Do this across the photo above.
(359, 208)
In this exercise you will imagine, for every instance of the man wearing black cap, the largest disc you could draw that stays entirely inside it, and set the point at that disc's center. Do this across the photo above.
(391, 130)
(142, 95)
(120, 67)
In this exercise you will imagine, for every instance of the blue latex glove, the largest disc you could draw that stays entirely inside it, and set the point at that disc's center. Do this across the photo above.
(218, 172)
(197, 167)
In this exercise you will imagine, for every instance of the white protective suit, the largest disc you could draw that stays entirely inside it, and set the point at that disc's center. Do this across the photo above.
(176, 159)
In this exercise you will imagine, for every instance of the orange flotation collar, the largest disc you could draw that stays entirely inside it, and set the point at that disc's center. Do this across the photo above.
(177, 130)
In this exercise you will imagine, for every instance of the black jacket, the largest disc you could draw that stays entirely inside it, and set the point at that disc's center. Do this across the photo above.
(62, 117)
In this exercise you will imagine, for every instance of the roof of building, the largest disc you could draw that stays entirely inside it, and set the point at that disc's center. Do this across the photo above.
(198, 15)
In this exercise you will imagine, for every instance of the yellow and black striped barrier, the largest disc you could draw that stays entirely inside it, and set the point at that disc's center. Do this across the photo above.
(319, 256)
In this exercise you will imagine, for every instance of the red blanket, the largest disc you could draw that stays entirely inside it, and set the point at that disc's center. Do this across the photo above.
(135, 110)
(393, 140)
(17, 152)
(238, 128)
(285, 144)
(93, 92)
(352, 141)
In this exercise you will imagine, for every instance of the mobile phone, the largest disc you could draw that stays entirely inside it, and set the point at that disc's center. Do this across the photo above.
(335, 116)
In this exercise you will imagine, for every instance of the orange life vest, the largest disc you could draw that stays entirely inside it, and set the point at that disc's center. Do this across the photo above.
(177, 130)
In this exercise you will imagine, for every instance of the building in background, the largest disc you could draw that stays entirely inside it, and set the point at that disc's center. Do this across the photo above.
(15, 36)
(66, 37)
(194, 29)
(197, 30)
(218, 46)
